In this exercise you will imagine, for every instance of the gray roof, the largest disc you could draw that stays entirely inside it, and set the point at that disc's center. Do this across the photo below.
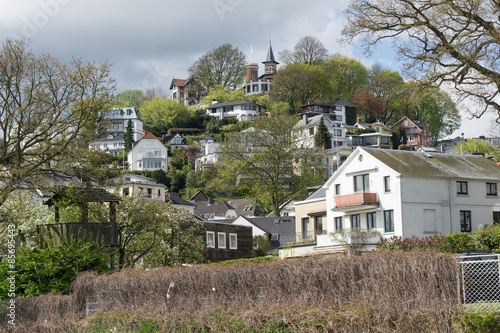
(270, 55)
(218, 105)
(218, 208)
(176, 200)
(247, 207)
(123, 113)
(283, 226)
(106, 138)
(419, 164)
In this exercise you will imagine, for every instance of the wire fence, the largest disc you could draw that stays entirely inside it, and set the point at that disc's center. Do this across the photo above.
(480, 282)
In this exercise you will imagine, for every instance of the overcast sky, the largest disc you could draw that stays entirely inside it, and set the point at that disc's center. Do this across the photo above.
(150, 42)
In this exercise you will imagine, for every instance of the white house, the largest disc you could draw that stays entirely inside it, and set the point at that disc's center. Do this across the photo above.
(241, 110)
(129, 183)
(115, 122)
(148, 153)
(406, 193)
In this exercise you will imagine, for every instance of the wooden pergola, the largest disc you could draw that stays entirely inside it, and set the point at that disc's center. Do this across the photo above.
(104, 233)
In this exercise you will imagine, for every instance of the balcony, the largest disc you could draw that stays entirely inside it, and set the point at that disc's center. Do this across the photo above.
(356, 201)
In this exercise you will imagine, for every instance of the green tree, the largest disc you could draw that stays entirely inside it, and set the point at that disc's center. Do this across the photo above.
(299, 84)
(129, 136)
(161, 114)
(387, 87)
(45, 105)
(445, 42)
(322, 138)
(222, 95)
(345, 76)
(440, 113)
(223, 66)
(261, 245)
(143, 225)
(478, 146)
(270, 159)
(130, 98)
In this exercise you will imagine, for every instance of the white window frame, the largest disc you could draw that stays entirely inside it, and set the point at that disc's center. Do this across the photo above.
(233, 243)
(221, 245)
(212, 243)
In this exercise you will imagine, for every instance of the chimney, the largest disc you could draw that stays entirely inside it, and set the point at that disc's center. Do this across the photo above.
(305, 117)
(214, 101)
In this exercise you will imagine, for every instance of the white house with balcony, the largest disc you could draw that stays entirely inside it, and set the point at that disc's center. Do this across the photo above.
(241, 110)
(114, 125)
(129, 184)
(149, 153)
(403, 193)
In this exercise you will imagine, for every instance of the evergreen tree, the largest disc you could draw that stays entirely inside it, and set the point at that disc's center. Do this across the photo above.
(129, 136)
(322, 138)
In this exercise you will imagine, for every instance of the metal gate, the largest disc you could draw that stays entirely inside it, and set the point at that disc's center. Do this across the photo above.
(480, 281)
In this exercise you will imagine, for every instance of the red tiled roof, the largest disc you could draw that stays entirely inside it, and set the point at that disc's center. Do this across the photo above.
(181, 82)
(147, 135)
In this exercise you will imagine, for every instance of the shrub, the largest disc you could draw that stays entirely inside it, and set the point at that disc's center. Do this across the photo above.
(487, 238)
(52, 268)
(261, 244)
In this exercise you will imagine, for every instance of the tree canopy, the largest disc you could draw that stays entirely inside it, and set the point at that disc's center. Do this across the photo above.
(270, 159)
(223, 66)
(449, 42)
(44, 105)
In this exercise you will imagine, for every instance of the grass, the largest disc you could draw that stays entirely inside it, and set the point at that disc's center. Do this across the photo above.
(483, 307)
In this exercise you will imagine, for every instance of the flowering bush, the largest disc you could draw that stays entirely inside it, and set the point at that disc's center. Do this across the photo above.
(438, 243)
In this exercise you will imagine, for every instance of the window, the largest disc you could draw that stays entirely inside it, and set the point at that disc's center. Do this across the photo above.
(210, 239)
(221, 240)
(371, 220)
(338, 223)
(275, 237)
(389, 220)
(150, 142)
(233, 241)
(319, 224)
(337, 189)
(311, 131)
(384, 140)
(387, 184)
(491, 189)
(496, 217)
(361, 183)
(305, 228)
(465, 221)
(461, 187)
(356, 221)
(255, 87)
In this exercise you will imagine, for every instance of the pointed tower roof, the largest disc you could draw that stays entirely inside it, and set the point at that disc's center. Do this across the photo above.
(270, 55)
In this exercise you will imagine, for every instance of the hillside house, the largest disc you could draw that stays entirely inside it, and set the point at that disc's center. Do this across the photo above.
(148, 153)
(405, 193)
(255, 84)
(415, 131)
(114, 124)
(186, 91)
(129, 183)
(241, 110)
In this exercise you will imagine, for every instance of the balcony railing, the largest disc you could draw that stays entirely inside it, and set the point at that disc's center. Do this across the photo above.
(356, 200)
(301, 238)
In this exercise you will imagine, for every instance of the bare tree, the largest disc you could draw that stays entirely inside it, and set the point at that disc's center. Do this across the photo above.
(309, 50)
(223, 65)
(44, 105)
(444, 41)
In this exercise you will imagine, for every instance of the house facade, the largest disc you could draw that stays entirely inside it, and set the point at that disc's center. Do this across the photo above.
(415, 131)
(114, 124)
(241, 110)
(405, 193)
(186, 91)
(129, 183)
(255, 84)
(148, 153)
(226, 241)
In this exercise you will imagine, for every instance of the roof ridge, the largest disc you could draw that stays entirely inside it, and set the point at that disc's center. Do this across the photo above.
(396, 158)
(470, 163)
(434, 164)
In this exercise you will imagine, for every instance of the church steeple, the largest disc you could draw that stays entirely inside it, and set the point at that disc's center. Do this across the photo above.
(270, 63)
